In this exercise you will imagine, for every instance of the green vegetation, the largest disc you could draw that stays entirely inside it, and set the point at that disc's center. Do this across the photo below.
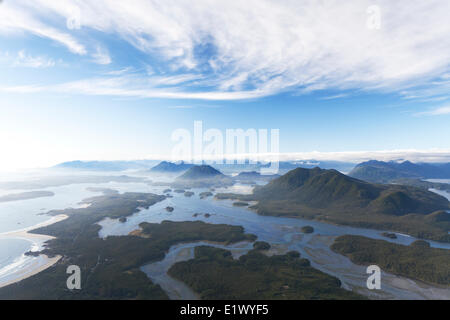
(307, 229)
(330, 196)
(234, 196)
(387, 172)
(205, 194)
(214, 274)
(240, 204)
(26, 196)
(417, 261)
(389, 235)
(202, 177)
(249, 177)
(191, 231)
(200, 172)
(421, 243)
(422, 184)
(189, 194)
(261, 245)
(170, 167)
(110, 267)
(102, 190)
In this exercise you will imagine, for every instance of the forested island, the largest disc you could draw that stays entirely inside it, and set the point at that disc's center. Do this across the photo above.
(26, 196)
(214, 274)
(416, 261)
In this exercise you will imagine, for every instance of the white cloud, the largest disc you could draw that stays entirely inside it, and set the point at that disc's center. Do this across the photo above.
(101, 56)
(412, 155)
(436, 112)
(337, 96)
(14, 18)
(25, 60)
(126, 86)
(263, 47)
(431, 156)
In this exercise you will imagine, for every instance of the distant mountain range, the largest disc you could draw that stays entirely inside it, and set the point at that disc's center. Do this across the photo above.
(253, 176)
(106, 165)
(385, 172)
(170, 167)
(285, 166)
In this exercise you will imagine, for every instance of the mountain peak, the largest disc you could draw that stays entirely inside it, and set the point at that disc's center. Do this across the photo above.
(170, 167)
(200, 172)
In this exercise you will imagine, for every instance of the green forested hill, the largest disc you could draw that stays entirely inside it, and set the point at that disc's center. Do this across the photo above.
(417, 261)
(331, 196)
(317, 188)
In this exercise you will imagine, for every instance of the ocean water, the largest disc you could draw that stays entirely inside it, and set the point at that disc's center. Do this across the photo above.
(9, 249)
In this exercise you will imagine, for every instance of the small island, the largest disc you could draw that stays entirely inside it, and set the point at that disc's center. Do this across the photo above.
(189, 194)
(170, 209)
(389, 235)
(421, 244)
(26, 196)
(240, 204)
(205, 194)
(106, 191)
(307, 229)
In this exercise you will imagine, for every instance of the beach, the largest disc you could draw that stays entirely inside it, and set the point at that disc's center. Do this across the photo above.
(27, 266)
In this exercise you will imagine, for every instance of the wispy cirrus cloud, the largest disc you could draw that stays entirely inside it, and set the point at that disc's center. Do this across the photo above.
(16, 18)
(25, 60)
(131, 87)
(443, 110)
(241, 50)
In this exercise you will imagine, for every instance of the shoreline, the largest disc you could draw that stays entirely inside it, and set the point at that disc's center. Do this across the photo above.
(32, 269)
(33, 265)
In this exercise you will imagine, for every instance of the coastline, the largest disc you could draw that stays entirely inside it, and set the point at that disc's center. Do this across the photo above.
(27, 266)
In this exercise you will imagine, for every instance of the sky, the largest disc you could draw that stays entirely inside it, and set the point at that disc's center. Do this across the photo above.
(110, 80)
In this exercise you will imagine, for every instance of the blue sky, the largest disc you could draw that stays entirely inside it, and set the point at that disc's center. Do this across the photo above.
(103, 80)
